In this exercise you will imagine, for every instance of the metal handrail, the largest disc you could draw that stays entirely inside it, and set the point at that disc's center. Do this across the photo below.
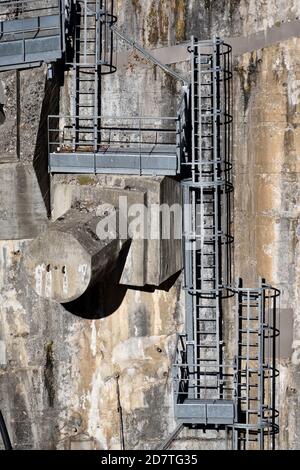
(124, 131)
(24, 6)
(4, 433)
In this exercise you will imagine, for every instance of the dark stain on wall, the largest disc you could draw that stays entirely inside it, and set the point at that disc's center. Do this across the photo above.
(248, 78)
(22, 426)
(180, 20)
(139, 423)
(214, 17)
(136, 5)
(158, 23)
(139, 322)
(49, 374)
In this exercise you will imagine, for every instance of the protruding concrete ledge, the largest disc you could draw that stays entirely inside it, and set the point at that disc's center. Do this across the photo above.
(69, 257)
(150, 261)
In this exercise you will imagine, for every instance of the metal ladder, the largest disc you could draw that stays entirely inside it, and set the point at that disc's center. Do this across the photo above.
(92, 58)
(255, 368)
(203, 389)
(202, 223)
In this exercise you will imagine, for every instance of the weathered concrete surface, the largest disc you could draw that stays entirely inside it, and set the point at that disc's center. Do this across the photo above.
(29, 98)
(67, 259)
(23, 111)
(157, 23)
(55, 367)
(267, 197)
(22, 209)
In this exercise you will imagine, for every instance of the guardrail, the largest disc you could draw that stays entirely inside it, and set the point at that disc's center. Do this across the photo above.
(194, 380)
(97, 134)
(132, 145)
(18, 9)
(31, 32)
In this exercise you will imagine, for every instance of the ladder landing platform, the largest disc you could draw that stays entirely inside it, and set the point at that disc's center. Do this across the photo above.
(152, 160)
(196, 411)
(28, 42)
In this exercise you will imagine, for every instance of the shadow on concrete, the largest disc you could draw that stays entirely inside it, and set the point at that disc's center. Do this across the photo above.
(2, 114)
(50, 106)
(165, 286)
(102, 298)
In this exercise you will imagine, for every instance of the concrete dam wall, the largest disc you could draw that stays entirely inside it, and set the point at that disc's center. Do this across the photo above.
(63, 353)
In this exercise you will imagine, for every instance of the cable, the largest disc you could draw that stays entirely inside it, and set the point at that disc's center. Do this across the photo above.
(120, 411)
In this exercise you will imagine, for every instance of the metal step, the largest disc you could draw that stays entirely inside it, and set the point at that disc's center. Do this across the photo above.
(199, 411)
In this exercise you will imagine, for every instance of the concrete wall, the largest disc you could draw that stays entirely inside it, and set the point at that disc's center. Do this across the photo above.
(57, 367)
(267, 199)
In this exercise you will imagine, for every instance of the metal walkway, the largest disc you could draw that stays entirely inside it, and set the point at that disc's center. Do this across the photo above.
(144, 146)
(31, 32)
(88, 142)
(149, 160)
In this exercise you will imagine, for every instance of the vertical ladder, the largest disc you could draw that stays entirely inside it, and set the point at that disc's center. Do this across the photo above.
(92, 58)
(85, 98)
(202, 224)
(255, 365)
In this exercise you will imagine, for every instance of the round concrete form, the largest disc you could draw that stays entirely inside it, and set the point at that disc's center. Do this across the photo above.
(69, 257)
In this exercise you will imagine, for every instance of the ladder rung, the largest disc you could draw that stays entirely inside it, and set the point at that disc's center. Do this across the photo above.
(248, 358)
(250, 319)
(250, 305)
(248, 331)
(207, 319)
(206, 333)
(207, 360)
(253, 371)
(207, 307)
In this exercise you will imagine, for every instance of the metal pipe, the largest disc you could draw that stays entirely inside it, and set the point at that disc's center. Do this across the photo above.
(4, 433)
(120, 411)
(149, 56)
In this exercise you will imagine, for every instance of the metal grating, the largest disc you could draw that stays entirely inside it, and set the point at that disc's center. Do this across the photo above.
(31, 32)
(86, 141)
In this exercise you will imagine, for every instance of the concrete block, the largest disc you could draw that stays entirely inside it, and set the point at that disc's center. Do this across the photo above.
(150, 260)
